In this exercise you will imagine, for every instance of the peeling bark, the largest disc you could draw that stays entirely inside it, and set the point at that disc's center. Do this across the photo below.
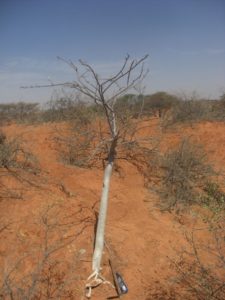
(100, 233)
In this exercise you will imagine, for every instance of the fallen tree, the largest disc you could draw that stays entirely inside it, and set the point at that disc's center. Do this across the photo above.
(104, 93)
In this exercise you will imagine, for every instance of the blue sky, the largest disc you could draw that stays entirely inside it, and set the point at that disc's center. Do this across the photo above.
(185, 40)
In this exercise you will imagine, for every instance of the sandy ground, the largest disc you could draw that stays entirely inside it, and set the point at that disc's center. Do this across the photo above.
(60, 208)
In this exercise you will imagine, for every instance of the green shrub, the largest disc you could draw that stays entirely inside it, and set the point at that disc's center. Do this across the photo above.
(214, 193)
(214, 199)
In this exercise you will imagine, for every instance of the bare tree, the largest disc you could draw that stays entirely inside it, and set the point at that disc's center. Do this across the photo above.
(104, 92)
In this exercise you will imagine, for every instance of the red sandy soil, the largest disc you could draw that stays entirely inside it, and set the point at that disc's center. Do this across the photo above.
(141, 240)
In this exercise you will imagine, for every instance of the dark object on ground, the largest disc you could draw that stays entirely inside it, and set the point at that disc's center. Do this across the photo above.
(122, 284)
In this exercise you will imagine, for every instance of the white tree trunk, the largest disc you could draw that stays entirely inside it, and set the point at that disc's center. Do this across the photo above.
(99, 239)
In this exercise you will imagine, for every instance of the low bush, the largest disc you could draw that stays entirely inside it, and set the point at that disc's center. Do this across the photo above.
(42, 269)
(12, 154)
(9, 151)
(214, 199)
(16, 163)
(68, 109)
(19, 112)
(76, 144)
(190, 111)
(184, 171)
(77, 149)
(214, 194)
(201, 269)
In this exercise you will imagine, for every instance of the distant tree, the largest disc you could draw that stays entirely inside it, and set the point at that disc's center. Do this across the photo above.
(60, 109)
(159, 102)
(18, 111)
(131, 104)
(222, 97)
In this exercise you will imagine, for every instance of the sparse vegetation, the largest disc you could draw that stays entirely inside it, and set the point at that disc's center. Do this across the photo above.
(112, 168)
(214, 194)
(12, 154)
(190, 111)
(171, 108)
(201, 269)
(213, 198)
(75, 147)
(185, 180)
(68, 108)
(184, 172)
(82, 140)
(39, 274)
(17, 163)
(20, 112)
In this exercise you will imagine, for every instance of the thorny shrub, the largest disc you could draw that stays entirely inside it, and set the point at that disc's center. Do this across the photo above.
(184, 171)
(214, 199)
(201, 270)
(68, 109)
(19, 112)
(17, 163)
(191, 111)
(76, 145)
(44, 268)
(214, 193)
(86, 143)
(12, 154)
